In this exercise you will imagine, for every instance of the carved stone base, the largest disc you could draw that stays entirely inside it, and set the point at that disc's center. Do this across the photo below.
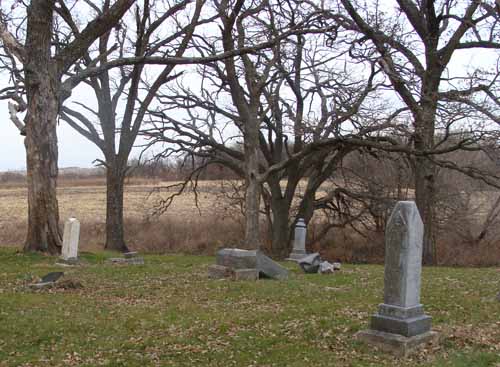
(296, 255)
(405, 327)
(399, 345)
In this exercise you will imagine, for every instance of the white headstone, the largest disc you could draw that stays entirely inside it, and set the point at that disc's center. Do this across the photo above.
(70, 239)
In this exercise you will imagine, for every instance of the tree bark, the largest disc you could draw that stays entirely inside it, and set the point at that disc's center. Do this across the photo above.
(253, 189)
(115, 180)
(425, 172)
(42, 86)
(280, 227)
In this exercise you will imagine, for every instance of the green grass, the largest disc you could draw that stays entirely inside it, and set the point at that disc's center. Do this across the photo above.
(167, 313)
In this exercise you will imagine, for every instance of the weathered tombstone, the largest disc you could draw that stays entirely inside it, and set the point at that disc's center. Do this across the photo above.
(400, 324)
(299, 241)
(237, 259)
(70, 240)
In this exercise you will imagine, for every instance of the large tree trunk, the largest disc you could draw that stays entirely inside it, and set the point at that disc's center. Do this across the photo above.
(425, 200)
(425, 179)
(280, 227)
(253, 189)
(252, 204)
(115, 182)
(42, 85)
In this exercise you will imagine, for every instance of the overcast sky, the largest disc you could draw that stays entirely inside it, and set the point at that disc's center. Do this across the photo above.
(75, 150)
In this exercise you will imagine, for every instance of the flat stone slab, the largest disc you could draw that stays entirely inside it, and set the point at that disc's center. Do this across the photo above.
(42, 285)
(235, 258)
(219, 272)
(400, 346)
(246, 274)
(124, 261)
(52, 277)
(130, 254)
(296, 256)
(269, 268)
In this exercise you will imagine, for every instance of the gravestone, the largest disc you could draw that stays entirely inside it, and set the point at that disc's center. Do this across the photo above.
(238, 259)
(400, 324)
(299, 241)
(70, 240)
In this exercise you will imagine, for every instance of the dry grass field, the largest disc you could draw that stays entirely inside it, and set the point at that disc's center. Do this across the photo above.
(215, 220)
(144, 230)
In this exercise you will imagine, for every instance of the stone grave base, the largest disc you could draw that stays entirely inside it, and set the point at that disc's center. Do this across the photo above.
(72, 261)
(296, 256)
(223, 272)
(399, 345)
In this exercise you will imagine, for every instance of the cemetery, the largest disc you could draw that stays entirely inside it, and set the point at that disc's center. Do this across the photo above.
(247, 309)
(250, 183)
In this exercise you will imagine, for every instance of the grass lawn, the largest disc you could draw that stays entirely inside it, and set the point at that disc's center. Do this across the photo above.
(167, 313)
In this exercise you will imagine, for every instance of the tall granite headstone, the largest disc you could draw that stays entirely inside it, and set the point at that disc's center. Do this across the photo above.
(299, 241)
(71, 238)
(400, 324)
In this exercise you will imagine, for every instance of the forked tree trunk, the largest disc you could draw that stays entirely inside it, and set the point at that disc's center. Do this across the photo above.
(42, 87)
(115, 182)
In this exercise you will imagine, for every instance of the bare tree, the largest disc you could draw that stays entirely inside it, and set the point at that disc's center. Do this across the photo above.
(125, 85)
(415, 45)
(305, 107)
(46, 56)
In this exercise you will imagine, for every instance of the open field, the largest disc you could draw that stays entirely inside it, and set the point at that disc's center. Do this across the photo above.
(217, 221)
(88, 204)
(167, 313)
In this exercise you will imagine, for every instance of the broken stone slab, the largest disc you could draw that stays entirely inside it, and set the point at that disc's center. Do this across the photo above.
(42, 285)
(250, 259)
(51, 277)
(235, 258)
(219, 272)
(337, 266)
(130, 254)
(269, 268)
(246, 274)
(130, 261)
(310, 263)
(326, 268)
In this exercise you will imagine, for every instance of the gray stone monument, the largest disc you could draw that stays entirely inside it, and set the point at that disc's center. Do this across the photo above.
(252, 263)
(299, 241)
(71, 238)
(400, 324)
